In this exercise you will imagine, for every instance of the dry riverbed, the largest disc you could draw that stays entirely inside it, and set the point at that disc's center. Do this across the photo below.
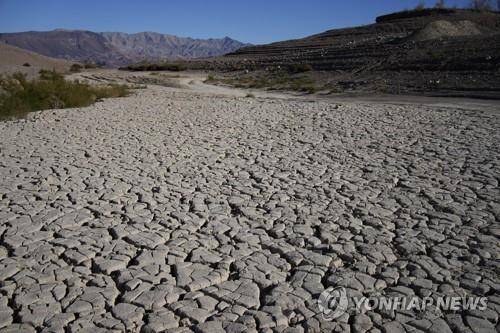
(198, 209)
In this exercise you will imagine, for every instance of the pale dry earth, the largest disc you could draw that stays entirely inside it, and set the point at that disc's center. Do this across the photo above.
(197, 209)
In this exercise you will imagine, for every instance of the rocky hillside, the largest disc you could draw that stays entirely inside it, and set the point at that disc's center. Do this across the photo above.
(113, 49)
(449, 51)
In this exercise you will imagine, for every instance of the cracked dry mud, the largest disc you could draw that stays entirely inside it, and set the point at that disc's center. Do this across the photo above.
(178, 211)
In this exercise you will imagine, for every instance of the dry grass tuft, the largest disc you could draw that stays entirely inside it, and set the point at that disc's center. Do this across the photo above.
(19, 96)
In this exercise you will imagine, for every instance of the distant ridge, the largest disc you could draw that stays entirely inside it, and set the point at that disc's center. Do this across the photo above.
(114, 49)
(152, 45)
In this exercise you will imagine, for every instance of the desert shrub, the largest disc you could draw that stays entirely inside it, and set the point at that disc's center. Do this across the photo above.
(173, 67)
(20, 96)
(332, 89)
(27, 64)
(50, 75)
(284, 81)
(259, 83)
(90, 66)
(302, 84)
(75, 68)
(299, 68)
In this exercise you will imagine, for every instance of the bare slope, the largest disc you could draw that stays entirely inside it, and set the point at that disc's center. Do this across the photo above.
(14, 59)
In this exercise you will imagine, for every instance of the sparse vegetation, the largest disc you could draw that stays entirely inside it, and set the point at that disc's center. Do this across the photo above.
(332, 89)
(19, 96)
(279, 82)
(163, 75)
(159, 79)
(173, 67)
(437, 55)
(75, 68)
(90, 66)
(299, 68)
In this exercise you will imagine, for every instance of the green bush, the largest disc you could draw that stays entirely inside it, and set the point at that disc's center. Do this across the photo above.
(299, 68)
(50, 75)
(173, 67)
(75, 68)
(18, 96)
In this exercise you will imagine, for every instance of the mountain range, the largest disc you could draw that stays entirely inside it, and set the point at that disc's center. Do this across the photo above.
(113, 49)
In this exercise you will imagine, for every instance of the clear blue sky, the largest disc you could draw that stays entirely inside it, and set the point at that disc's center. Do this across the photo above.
(252, 21)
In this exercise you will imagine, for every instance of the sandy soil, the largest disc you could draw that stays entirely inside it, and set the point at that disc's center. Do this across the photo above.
(198, 209)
